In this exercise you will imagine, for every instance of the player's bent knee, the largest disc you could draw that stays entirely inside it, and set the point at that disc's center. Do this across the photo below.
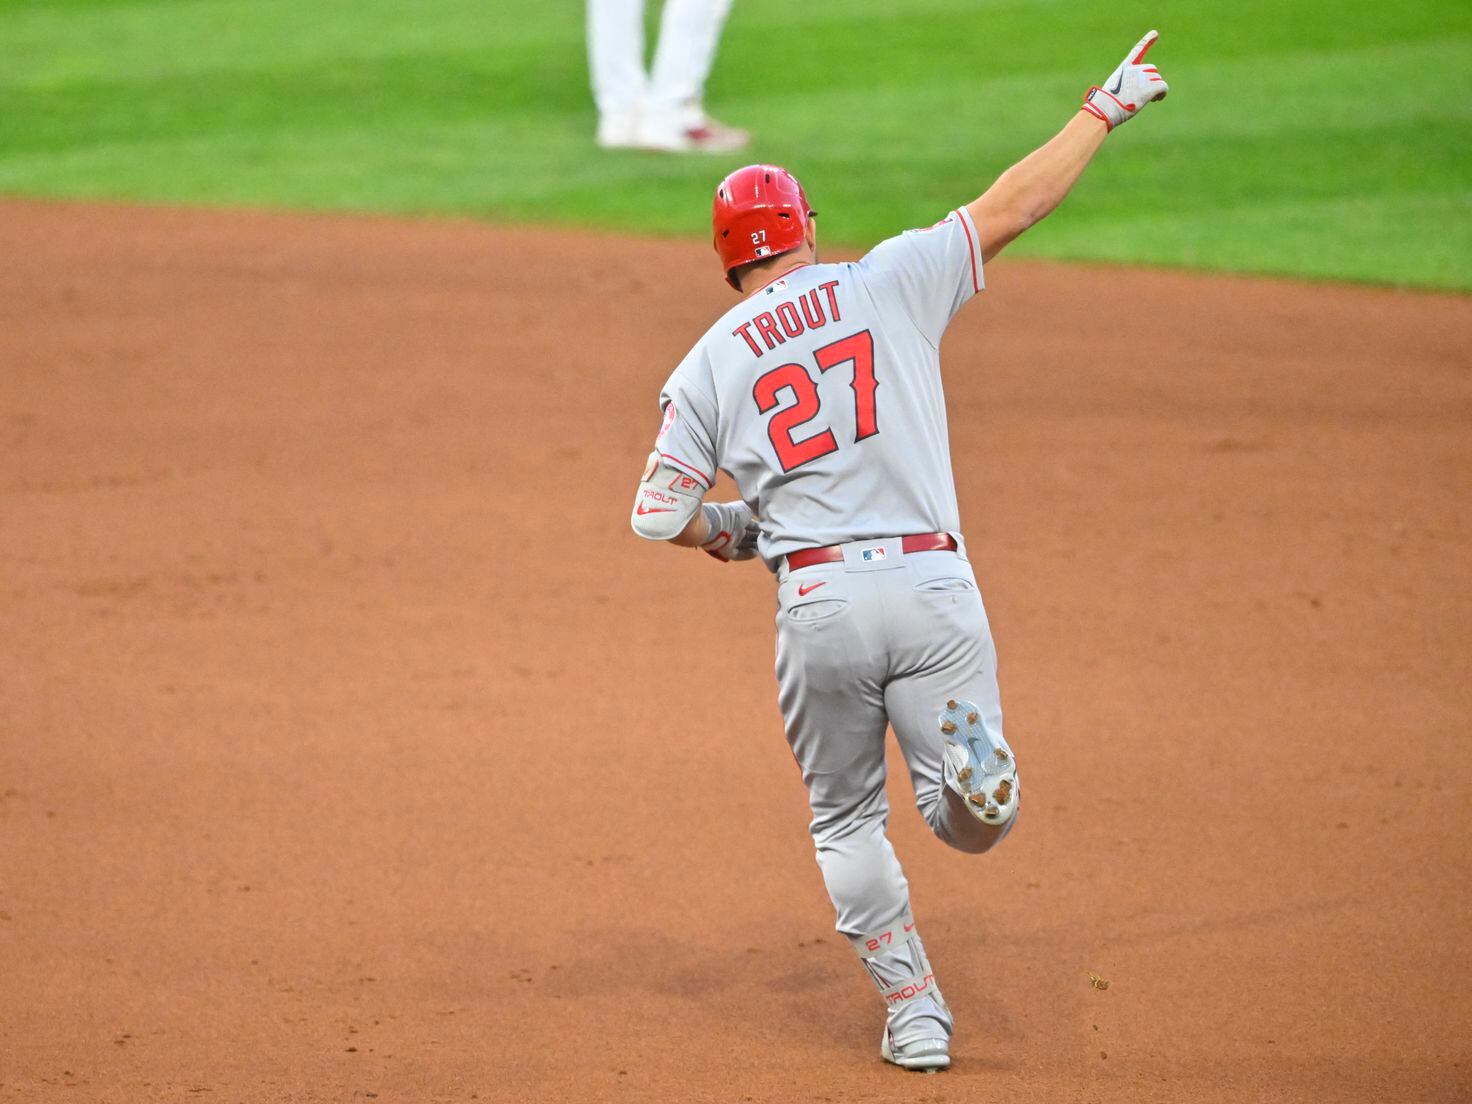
(955, 825)
(978, 838)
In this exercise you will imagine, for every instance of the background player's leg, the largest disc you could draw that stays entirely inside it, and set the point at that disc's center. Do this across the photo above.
(831, 660)
(689, 31)
(616, 66)
(946, 653)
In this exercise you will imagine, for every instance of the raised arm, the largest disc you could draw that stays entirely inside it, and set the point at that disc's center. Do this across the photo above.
(1030, 190)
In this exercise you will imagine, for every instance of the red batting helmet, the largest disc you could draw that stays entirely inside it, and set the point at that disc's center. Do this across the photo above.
(759, 212)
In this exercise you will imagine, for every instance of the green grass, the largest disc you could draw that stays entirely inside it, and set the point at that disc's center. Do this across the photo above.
(1312, 139)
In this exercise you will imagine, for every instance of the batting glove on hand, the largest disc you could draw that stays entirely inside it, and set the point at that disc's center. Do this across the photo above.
(733, 531)
(1129, 88)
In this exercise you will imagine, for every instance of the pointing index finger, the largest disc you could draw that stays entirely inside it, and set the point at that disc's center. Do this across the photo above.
(1142, 47)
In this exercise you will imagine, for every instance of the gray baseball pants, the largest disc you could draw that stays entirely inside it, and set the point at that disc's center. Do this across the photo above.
(880, 638)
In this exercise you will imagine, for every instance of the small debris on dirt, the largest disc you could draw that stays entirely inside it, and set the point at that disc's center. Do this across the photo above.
(1097, 982)
(1103, 1055)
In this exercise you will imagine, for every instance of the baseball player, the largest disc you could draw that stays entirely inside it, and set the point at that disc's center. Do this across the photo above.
(820, 394)
(661, 110)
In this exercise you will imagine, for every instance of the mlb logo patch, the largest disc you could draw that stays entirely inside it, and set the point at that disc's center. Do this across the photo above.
(871, 554)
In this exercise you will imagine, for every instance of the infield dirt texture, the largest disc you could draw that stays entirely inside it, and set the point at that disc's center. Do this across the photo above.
(353, 748)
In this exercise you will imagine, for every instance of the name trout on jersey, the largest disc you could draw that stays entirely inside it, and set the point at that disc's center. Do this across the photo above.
(783, 321)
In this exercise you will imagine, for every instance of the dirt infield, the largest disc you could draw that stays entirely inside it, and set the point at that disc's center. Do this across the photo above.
(351, 747)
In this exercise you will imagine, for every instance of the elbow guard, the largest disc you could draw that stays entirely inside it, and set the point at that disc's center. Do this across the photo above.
(666, 501)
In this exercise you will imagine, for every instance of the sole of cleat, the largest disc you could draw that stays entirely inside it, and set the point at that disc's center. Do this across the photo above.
(988, 780)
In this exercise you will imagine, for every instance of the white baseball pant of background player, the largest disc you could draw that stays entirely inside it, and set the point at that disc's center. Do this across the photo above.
(664, 109)
(879, 618)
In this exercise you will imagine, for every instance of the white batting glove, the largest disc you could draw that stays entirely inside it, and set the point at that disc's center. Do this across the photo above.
(733, 531)
(1129, 88)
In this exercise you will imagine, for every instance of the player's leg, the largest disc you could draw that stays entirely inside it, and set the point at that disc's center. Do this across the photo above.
(948, 657)
(831, 658)
(833, 708)
(674, 116)
(616, 65)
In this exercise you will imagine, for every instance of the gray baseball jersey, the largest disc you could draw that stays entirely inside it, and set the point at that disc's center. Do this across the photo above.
(820, 394)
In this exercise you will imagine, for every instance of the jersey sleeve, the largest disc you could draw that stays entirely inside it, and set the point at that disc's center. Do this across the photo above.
(687, 435)
(933, 271)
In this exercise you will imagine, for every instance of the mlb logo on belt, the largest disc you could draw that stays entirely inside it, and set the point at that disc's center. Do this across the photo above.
(872, 554)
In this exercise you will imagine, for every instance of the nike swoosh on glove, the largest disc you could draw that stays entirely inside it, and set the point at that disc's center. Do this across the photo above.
(1129, 88)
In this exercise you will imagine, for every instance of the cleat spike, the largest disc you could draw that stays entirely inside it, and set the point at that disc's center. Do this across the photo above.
(948, 728)
(971, 717)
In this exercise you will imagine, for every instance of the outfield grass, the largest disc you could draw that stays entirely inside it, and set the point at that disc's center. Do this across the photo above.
(1313, 139)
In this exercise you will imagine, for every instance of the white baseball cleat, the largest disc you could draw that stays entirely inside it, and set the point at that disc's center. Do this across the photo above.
(705, 136)
(922, 1055)
(619, 131)
(982, 769)
(917, 1021)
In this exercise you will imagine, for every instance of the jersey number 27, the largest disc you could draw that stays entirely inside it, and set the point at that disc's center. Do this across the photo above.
(858, 348)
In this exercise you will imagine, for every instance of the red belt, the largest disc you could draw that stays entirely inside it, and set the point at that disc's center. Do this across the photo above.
(918, 542)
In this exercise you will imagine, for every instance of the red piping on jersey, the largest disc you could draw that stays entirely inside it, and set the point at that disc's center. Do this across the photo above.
(774, 279)
(971, 247)
(691, 468)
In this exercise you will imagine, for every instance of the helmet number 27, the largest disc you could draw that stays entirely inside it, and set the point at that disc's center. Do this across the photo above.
(858, 348)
